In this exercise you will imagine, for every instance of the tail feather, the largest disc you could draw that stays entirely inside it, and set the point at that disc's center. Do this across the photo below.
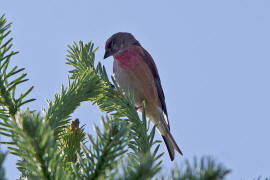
(171, 145)
(164, 130)
(174, 143)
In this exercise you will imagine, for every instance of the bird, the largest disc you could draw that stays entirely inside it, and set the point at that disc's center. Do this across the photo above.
(134, 68)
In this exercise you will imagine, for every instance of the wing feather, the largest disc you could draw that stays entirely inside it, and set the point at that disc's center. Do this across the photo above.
(152, 66)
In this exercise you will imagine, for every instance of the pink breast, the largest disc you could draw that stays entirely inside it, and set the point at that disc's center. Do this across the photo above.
(127, 59)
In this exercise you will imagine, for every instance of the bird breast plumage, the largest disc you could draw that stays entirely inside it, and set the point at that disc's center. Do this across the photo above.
(131, 72)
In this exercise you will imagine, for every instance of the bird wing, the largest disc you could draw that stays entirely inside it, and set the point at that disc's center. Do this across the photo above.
(152, 66)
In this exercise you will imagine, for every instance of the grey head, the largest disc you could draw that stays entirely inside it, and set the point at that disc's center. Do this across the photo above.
(119, 42)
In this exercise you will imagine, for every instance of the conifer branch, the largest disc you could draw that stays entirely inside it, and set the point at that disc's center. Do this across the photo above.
(101, 159)
(36, 145)
(9, 79)
(81, 89)
(206, 168)
(31, 137)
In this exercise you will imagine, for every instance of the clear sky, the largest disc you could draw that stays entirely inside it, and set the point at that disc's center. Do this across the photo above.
(213, 58)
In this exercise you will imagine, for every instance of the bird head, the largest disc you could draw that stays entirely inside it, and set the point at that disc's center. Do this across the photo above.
(119, 42)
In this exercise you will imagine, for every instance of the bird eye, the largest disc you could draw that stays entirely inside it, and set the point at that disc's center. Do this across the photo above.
(110, 45)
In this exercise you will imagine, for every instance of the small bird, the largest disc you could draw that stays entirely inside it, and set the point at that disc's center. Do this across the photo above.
(134, 68)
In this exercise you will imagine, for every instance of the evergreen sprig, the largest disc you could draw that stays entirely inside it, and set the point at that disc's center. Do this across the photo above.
(30, 135)
(206, 168)
(101, 159)
(83, 88)
(36, 145)
(10, 78)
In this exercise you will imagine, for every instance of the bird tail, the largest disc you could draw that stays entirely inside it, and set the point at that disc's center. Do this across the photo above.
(167, 137)
(171, 145)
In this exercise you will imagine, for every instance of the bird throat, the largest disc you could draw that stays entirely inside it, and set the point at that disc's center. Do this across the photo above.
(127, 59)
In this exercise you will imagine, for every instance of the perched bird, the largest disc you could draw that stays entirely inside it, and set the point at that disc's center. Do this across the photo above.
(134, 68)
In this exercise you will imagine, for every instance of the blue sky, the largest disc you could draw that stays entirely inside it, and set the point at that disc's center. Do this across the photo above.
(213, 59)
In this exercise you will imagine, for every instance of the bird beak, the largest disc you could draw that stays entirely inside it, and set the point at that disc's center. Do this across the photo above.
(107, 54)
